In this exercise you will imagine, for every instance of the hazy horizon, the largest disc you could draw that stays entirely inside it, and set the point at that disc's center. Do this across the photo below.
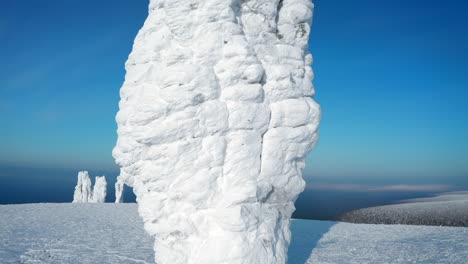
(322, 200)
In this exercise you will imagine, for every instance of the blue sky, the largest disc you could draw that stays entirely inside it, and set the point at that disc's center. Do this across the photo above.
(391, 76)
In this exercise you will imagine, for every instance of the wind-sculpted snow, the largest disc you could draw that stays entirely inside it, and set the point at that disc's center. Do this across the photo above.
(99, 190)
(85, 194)
(119, 188)
(216, 118)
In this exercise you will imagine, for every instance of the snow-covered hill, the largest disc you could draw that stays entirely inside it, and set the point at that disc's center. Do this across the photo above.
(113, 233)
(447, 209)
(443, 197)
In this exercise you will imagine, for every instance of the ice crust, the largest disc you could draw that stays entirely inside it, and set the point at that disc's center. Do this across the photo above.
(85, 194)
(216, 118)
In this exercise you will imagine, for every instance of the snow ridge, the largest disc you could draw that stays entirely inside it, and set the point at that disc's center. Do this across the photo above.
(216, 118)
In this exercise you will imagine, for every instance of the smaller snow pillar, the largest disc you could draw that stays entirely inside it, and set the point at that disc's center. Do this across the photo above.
(99, 190)
(119, 186)
(83, 188)
(123, 179)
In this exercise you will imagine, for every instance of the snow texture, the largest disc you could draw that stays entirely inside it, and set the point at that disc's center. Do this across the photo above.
(113, 233)
(216, 118)
(448, 209)
(83, 193)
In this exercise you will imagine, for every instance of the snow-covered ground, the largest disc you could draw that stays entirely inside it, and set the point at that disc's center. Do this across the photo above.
(447, 209)
(113, 233)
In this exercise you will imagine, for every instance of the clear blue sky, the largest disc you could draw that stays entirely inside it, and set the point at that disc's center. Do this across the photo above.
(391, 76)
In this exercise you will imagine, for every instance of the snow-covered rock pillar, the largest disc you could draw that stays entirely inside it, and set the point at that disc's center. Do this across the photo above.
(99, 190)
(119, 187)
(216, 118)
(122, 180)
(83, 193)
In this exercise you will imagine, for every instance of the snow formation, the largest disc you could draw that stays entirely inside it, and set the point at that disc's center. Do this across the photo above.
(216, 118)
(85, 194)
(119, 187)
(99, 190)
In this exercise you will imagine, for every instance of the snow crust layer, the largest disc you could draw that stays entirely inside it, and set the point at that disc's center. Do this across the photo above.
(216, 118)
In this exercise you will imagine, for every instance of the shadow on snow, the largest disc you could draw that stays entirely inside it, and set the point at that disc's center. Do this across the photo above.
(304, 239)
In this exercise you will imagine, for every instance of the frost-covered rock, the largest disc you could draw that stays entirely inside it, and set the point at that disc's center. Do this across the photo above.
(83, 193)
(119, 187)
(122, 180)
(99, 190)
(216, 118)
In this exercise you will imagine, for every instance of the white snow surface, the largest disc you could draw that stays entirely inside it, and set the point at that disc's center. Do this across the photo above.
(113, 233)
(215, 120)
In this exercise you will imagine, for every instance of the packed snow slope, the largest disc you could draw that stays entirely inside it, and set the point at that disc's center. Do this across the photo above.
(113, 233)
(446, 209)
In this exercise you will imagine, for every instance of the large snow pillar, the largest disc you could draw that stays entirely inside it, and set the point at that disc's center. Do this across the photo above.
(216, 118)
(83, 193)
(99, 190)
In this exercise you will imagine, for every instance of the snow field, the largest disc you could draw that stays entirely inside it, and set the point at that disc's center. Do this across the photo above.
(113, 233)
